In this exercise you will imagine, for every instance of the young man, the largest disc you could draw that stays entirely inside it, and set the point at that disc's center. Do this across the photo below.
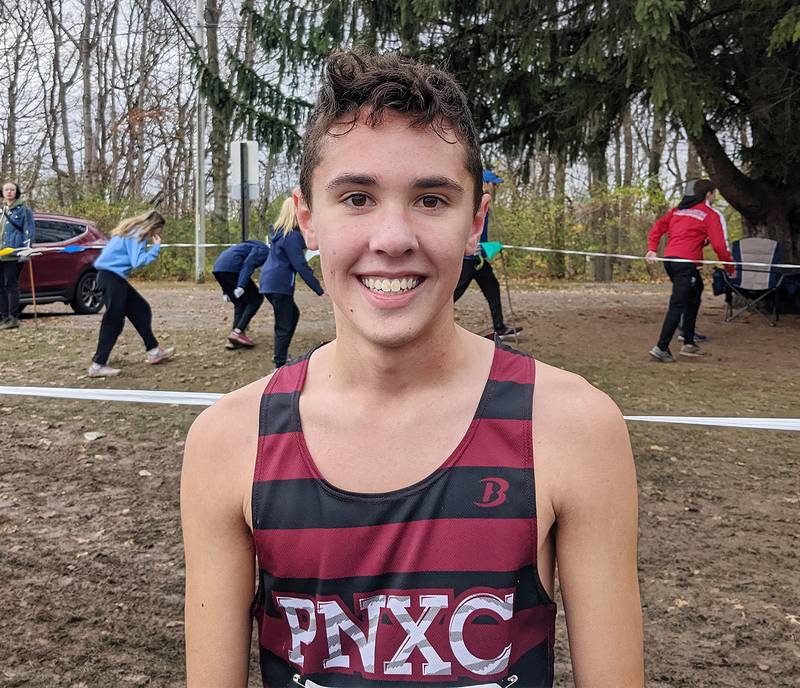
(382, 489)
(475, 267)
(689, 227)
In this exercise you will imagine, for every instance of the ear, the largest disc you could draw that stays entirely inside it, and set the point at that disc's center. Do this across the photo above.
(477, 225)
(304, 221)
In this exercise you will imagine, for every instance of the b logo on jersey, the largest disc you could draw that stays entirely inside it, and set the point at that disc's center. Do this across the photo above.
(494, 492)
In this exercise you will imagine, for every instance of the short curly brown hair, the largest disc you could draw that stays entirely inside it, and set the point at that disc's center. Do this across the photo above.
(359, 82)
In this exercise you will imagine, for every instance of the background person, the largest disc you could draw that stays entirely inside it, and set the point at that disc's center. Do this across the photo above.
(126, 251)
(689, 227)
(476, 267)
(286, 260)
(233, 269)
(16, 231)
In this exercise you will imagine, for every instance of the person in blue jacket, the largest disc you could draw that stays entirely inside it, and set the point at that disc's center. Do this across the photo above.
(286, 260)
(126, 251)
(233, 269)
(16, 231)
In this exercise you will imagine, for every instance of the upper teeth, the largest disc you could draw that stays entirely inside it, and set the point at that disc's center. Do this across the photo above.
(386, 285)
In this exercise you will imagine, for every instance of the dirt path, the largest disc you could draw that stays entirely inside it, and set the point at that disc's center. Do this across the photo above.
(92, 565)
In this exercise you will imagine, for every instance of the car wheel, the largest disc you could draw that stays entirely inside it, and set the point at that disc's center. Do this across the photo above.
(88, 297)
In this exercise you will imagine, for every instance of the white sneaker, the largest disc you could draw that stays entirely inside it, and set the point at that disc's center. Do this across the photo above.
(98, 370)
(159, 354)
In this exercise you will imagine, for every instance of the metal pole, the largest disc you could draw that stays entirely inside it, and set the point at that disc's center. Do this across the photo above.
(245, 199)
(200, 162)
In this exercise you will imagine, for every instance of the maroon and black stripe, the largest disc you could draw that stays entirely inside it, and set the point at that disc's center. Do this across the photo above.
(467, 529)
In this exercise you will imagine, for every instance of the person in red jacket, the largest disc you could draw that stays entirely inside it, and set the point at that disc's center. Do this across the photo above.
(690, 226)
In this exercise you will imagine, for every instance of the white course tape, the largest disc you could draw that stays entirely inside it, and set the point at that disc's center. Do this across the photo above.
(208, 398)
(790, 424)
(626, 256)
(132, 395)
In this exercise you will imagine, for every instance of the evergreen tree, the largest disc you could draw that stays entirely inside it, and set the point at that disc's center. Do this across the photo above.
(558, 74)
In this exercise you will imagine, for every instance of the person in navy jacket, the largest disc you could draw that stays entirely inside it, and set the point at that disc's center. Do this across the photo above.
(286, 259)
(233, 269)
(16, 231)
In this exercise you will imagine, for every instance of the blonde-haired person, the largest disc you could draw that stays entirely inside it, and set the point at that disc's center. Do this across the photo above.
(286, 259)
(126, 251)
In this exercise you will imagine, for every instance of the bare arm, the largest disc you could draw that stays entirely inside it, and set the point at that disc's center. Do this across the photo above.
(220, 564)
(594, 498)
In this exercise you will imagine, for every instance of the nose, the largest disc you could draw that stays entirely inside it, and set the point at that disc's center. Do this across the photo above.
(394, 233)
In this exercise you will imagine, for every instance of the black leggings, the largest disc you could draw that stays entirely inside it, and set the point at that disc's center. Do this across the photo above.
(121, 301)
(488, 284)
(687, 290)
(9, 288)
(247, 305)
(286, 316)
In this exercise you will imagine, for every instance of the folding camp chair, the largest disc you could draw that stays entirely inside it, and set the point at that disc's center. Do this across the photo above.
(754, 284)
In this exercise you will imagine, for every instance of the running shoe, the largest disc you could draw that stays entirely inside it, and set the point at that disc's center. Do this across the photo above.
(241, 338)
(662, 356)
(691, 350)
(98, 370)
(697, 337)
(159, 354)
(507, 332)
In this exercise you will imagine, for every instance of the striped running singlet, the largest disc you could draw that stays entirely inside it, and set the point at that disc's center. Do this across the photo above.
(434, 584)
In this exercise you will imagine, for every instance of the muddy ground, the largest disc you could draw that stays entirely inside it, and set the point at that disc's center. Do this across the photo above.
(90, 556)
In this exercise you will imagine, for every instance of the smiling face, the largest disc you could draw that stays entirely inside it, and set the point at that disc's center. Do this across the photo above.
(393, 216)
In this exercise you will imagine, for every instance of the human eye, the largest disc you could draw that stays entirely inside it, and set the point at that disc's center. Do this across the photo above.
(357, 200)
(432, 202)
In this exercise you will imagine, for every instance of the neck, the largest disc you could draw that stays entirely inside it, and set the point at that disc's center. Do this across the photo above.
(429, 360)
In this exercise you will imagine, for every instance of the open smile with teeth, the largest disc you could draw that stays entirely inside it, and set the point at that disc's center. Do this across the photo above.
(384, 285)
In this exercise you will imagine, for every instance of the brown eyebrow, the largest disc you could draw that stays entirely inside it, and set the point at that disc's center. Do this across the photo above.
(438, 182)
(351, 180)
(354, 179)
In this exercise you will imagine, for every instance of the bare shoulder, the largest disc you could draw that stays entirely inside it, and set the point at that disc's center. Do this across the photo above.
(580, 436)
(221, 446)
(230, 416)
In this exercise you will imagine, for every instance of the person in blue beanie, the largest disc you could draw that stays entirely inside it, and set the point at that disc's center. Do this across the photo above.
(286, 259)
(476, 267)
(233, 269)
(16, 231)
(126, 251)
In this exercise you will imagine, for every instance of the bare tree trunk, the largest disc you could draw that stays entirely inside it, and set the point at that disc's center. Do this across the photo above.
(555, 261)
(85, 56)
(657, 142)
(220, 127)
(694, 168)
(144, 72)
(54, 19)
(8, 163)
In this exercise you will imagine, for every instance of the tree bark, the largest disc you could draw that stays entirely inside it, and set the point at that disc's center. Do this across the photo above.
(219, 134)
(85, 57)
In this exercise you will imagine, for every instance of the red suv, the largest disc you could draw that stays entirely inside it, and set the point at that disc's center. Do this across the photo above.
(64, 276)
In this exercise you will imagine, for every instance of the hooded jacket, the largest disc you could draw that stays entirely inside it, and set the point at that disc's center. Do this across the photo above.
(688, 229)
(286, 259)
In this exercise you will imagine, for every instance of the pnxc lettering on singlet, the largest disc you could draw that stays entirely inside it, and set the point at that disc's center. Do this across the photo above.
(380, 640)
(494, 494)
(692, 212)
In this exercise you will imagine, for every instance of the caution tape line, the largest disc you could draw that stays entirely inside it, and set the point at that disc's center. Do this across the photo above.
(626, 256)
(531, 249)
(207, 398)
